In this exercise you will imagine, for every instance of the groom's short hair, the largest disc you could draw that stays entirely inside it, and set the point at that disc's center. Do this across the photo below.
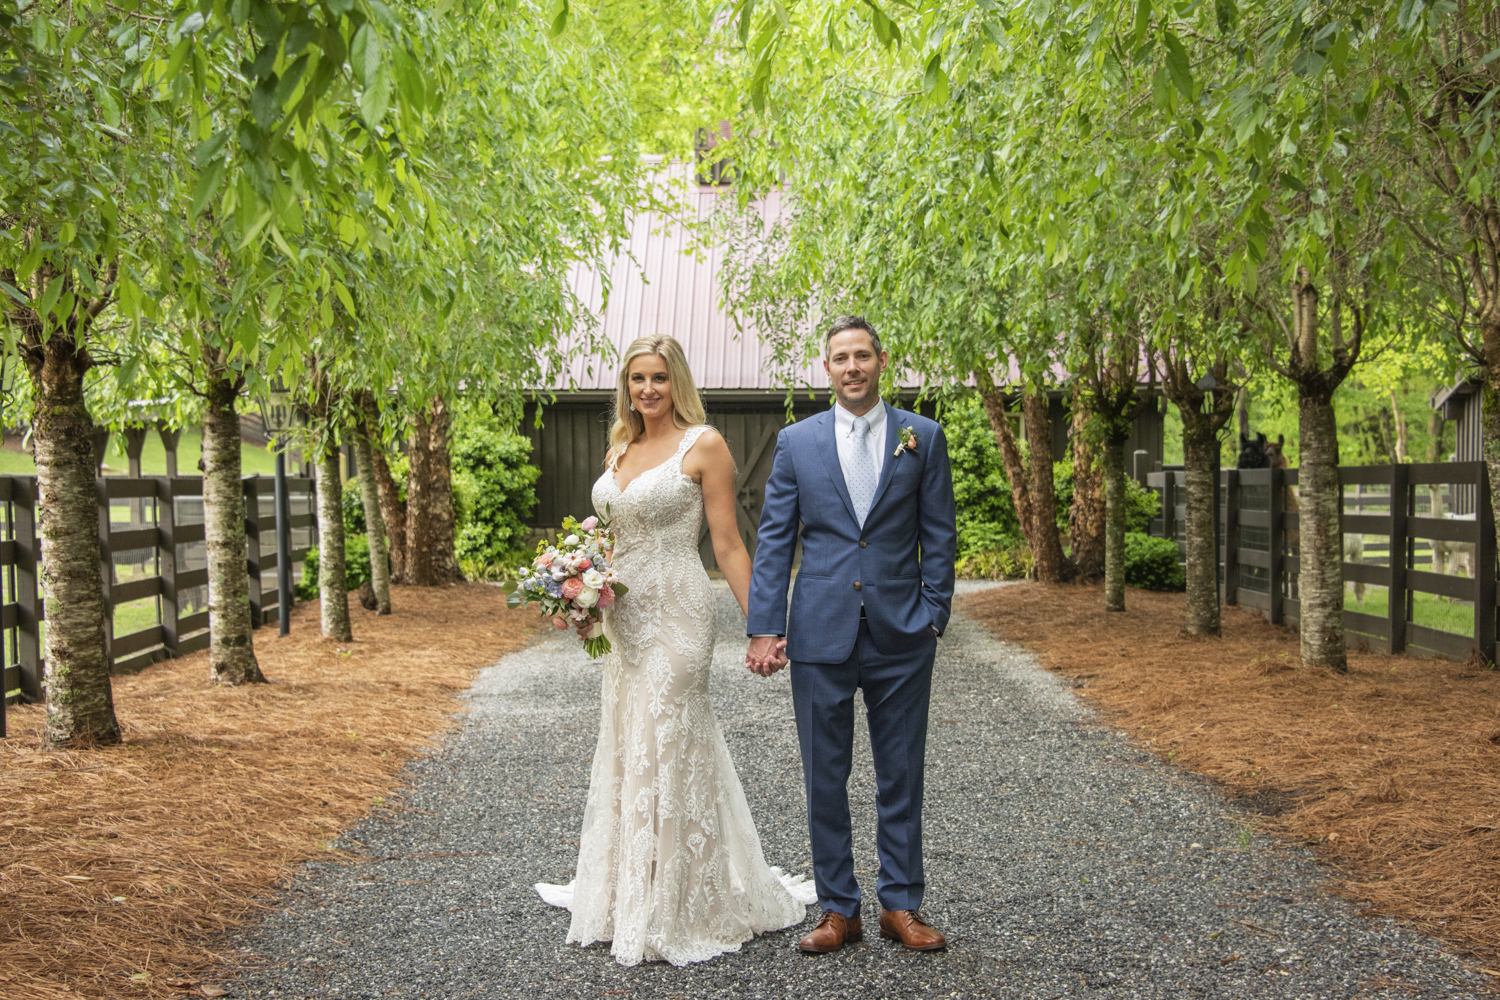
(851, 323)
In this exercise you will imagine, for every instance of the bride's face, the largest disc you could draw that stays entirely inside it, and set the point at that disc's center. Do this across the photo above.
(650, 388)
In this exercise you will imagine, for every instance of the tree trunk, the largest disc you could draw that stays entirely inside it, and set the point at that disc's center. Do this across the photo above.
(80, 702)
(392, 507)
(420, 569)
(444, 555)
(380, 575)
(1046, 547)
(1114, 530)
(1200, 447)
(231, 649)
(1010, 453)
(333, 585)
(1086, 517)
(1320, 582)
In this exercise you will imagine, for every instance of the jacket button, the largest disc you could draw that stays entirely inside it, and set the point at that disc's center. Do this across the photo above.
(863, 543)
(856, 584)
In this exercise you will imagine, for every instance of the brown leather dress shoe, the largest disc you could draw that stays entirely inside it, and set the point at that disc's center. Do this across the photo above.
(908, 928)
(834, 930)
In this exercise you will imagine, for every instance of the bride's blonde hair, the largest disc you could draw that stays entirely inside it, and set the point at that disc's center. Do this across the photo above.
(687, 407)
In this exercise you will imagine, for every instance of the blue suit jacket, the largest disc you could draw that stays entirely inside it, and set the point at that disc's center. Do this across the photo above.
(901, 564)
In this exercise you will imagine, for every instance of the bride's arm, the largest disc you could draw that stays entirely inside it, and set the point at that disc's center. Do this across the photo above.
(710, 463)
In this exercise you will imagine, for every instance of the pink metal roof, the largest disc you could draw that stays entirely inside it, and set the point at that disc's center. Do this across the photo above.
(660, 285)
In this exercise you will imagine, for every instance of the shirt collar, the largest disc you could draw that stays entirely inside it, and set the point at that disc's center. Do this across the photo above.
(843, 420)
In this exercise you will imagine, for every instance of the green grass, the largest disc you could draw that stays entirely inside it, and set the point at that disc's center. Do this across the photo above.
(1428, 610)
(253, 458)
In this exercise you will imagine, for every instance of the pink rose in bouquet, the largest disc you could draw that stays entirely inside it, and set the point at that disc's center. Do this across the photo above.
(571, 588)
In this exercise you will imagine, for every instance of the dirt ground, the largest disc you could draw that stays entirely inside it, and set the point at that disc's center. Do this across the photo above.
(121, 868)
(1391, 771)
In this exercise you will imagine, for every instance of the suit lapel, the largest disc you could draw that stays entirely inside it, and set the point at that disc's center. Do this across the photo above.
(828, 447)
(888, 466)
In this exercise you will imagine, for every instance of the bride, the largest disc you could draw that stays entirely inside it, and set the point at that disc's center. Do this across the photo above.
(669, 863)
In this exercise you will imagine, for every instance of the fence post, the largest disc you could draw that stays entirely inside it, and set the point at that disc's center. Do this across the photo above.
(250, 490)
(28, 630)
(1168, 503)
(1395, 593)
(106, 568)
(1276, 614)
(166, 544)
(1231, 536)
(169, 438)
(283, 545)
(1484, 568)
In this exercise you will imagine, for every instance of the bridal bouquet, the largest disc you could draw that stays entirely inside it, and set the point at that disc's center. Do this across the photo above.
(572, 582)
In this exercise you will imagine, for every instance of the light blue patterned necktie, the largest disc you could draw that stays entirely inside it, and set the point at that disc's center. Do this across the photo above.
(861, 471)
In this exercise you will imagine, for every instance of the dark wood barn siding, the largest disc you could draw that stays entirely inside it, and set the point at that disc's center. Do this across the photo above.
(569, 448)
(1147, 434)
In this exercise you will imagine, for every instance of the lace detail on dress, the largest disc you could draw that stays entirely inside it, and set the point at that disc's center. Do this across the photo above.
(669, 863)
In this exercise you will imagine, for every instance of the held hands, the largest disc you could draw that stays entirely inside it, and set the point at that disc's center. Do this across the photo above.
(766, 655)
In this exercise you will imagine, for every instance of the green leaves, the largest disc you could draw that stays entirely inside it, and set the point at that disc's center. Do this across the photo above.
(886, 30)
(207, 186)
(1178, 65)
(934, 80)
(559, 19)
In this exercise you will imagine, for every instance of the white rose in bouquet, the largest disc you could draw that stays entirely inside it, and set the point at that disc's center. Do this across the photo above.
(593, 579)
(587, 597)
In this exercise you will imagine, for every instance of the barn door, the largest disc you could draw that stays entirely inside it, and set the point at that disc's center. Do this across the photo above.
(752, 441)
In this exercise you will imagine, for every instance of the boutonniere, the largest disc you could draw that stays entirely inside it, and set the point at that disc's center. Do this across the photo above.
(906, 441)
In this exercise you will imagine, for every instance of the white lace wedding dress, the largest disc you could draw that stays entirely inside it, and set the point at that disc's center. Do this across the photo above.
(669, 863)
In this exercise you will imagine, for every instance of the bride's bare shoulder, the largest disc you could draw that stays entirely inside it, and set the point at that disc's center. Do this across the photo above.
(709, 450)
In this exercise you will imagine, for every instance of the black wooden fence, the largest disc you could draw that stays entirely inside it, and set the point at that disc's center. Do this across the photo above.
(1419, 551)
(153, 566)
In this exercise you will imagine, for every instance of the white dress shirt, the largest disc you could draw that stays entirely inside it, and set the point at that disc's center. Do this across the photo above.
(843, 433)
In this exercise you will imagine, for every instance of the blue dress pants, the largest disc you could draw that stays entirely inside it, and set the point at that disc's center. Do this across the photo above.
(896, 693)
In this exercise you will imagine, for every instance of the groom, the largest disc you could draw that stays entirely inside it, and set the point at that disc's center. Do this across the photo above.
(870, 488)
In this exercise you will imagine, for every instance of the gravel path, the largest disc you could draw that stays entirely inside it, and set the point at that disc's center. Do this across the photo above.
(1061, 862)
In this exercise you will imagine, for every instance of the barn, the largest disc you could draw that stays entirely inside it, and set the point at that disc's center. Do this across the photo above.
(659, 284)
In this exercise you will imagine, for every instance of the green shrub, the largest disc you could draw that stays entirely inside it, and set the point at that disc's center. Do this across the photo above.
(1142, 506)
(986, 514)
(1062, 492)
(1007, 562)
(1152, 563)
(505, 570)
(494, 488)
(354, 509)
(356, 567)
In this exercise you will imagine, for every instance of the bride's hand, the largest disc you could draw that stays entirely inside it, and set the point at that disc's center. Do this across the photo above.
(765, 655)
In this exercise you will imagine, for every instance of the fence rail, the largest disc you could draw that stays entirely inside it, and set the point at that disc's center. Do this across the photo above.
(153, 568)
(1424, 534)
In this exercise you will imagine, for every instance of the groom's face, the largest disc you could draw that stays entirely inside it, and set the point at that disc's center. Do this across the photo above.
(854, 369)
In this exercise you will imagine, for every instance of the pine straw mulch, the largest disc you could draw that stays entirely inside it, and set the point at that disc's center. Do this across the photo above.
(121, 868)
(1391, 772)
